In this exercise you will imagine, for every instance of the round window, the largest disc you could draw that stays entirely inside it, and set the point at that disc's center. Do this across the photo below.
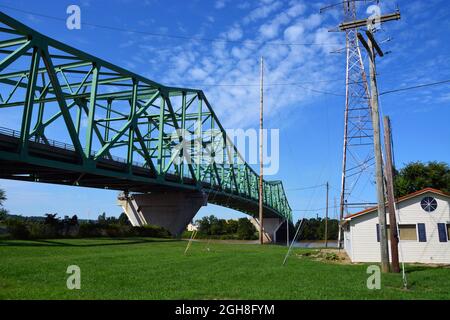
(428, 204)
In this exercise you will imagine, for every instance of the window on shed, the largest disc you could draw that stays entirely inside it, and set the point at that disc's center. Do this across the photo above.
(407, 232)
(422, 232)
(448, 232)
(443, 233)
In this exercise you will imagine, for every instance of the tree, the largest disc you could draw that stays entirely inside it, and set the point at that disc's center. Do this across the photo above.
(3, 214)
(102, 218)
(204, 226)
(218, 226)
(231, 226)
(3, 211)
(246, 230)
(314, 229)
(74, 220)
(2, 197)
(123, 219)
(51, 219)
(417, 175)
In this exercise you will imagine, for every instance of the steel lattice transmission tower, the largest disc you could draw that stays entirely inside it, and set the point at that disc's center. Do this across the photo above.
(358, 156)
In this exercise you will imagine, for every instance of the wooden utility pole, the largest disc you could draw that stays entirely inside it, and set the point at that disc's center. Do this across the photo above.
(326, 218)
(390, 194)
(371, 46)
(261, 219)
(287, 232)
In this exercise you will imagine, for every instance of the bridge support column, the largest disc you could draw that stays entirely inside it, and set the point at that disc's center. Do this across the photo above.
(170, 210)
(271, 226)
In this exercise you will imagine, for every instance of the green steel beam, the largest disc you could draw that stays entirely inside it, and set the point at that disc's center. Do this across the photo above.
(141, 130)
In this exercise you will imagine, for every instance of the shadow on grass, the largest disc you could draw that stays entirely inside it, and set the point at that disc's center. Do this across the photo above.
(59, 243)
(415, 268)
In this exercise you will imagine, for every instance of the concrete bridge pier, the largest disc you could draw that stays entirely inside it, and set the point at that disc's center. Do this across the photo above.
(271, 228)
(170, 210)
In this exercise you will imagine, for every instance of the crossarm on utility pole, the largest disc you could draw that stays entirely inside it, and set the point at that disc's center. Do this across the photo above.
(364, 22)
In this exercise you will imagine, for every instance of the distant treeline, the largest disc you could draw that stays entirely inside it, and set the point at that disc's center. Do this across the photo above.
(242, 229)
(50, 226)
(314, 229)
(214, 228)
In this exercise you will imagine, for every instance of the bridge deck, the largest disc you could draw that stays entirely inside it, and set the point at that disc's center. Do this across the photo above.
(69, 174)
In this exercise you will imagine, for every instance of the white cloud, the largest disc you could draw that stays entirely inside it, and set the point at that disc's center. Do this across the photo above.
(198, 74)
(235, 33)
(296, 10)
(271, 29)
(228, 72)
(294, 33)
(262, 12)
(220, 4)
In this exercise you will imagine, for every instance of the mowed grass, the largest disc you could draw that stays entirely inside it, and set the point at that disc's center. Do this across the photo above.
(142, 268)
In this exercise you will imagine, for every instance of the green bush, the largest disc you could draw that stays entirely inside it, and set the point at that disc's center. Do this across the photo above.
(52, 227)
(151, 231)
(89, 229)
(41, 231)
(117, 230)
(17, 229)
(187, 234)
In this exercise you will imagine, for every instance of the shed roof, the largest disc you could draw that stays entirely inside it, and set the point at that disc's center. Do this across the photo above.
(406, 197)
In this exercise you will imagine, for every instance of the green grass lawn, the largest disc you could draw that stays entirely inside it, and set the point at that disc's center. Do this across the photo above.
(157, 269)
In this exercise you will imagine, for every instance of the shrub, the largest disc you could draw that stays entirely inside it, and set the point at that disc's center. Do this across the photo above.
(17, 229)
(89, 229)
(151, 231)
(187, 234)
(41, 231)
(117, 230)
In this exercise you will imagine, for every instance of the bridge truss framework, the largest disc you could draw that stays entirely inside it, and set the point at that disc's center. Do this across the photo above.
(101, 111)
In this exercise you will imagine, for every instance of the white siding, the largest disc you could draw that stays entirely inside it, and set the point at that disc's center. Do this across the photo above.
(348, 243)
(365, 248)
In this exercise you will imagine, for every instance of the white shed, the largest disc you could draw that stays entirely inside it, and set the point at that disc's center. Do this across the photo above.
(424, 229)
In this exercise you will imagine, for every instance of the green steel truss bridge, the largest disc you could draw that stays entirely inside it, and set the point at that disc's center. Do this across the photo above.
(67, 117)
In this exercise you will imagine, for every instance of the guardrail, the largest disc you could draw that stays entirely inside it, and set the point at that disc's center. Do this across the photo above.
(62, 145)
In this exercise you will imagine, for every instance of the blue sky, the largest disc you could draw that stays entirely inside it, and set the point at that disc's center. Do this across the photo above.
(309, 116)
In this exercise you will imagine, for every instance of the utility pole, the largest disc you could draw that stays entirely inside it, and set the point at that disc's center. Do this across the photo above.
(326, 218)
(371, 46)
(390, 194)
(378, 156)
(287, 232)
(261, 221)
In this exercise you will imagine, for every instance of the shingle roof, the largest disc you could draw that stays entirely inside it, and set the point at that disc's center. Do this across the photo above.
(406, 197)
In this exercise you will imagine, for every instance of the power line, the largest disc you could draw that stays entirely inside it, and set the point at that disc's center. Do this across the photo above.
(265, 85)
(195, 84)
(307, 188)
(416, 87)
(323, 92)
(173, 36)
(317, 209)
